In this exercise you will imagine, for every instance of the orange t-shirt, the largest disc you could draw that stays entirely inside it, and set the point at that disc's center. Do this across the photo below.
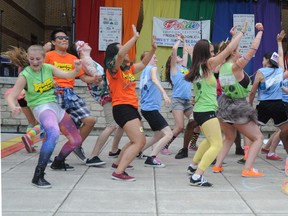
(123, 87)
(65, 63)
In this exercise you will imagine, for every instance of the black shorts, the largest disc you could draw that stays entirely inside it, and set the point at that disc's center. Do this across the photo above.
(22, 102)
(156, 121)
(274, 109)
(124, 113)
(202, 117)
(286, 107)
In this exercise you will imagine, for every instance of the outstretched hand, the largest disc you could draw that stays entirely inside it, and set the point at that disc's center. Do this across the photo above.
(16, 111)
(280, 36)
(180, 37)
(154, 44)
(190, 49)
(259, 26)
(233, 31)
(135, 32)
(244, 26)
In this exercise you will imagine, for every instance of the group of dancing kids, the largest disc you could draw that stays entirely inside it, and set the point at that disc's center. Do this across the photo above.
(48, 78)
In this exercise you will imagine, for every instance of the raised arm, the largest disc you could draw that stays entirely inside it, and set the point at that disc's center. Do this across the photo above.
(218, 59)
(190, 49)
(185, 52)
(156, 82)
(173, 64)
(244, 60)
(123, 51)
(139, 66)
(233, 32)
(279, 39)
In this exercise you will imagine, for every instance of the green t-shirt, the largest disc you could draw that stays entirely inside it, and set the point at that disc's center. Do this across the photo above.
(40, 86)
(229, 84)
(205, 94)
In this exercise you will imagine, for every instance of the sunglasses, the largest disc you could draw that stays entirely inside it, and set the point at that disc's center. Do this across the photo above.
(62, 37)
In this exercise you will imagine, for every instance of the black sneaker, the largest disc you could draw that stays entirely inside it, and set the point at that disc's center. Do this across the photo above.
(114, 155)
(182, 153)
(190, 170)
(49, 162)
(201, 181)
(79, 152)
(95, 161)
(241, 161)
(151, 162)
(39, 180)
(141, 155)
(60, 165)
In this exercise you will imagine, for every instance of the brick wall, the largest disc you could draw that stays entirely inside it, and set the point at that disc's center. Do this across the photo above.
(19, 123)
(22, 18)
(57, 14)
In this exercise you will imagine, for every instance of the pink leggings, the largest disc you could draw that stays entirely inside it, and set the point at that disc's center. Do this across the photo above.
(52, 128)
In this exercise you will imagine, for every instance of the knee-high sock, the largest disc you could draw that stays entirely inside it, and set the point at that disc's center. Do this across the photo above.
(168, 144)
(194, 139)
(33, 132)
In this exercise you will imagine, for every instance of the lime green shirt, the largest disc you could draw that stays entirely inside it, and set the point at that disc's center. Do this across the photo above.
(40, 86)
(230, 85)
(205, 94)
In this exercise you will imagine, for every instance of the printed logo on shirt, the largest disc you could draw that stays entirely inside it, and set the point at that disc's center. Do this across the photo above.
(63, 66)
(184, 70)
(43, 87)
(127, 79)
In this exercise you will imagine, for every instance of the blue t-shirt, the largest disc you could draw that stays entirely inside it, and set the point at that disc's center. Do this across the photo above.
(181, 88)
(271, 88)
(151, 97)
(284, 94)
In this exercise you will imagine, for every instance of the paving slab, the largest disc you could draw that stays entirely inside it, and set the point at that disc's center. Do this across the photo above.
(88, 191)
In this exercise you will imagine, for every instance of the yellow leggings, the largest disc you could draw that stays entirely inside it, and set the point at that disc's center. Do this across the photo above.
(210, 146)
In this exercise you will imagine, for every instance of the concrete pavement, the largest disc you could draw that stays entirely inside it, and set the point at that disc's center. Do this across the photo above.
(90, 191)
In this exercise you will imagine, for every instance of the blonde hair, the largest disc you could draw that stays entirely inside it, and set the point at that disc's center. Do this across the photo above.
(17, 55)
(223, 46)
(36, 47)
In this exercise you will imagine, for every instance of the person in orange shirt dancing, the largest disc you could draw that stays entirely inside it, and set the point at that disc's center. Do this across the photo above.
(122, 83)
(72, 103)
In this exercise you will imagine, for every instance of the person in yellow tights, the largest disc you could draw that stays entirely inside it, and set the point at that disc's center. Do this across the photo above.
(204, 83)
